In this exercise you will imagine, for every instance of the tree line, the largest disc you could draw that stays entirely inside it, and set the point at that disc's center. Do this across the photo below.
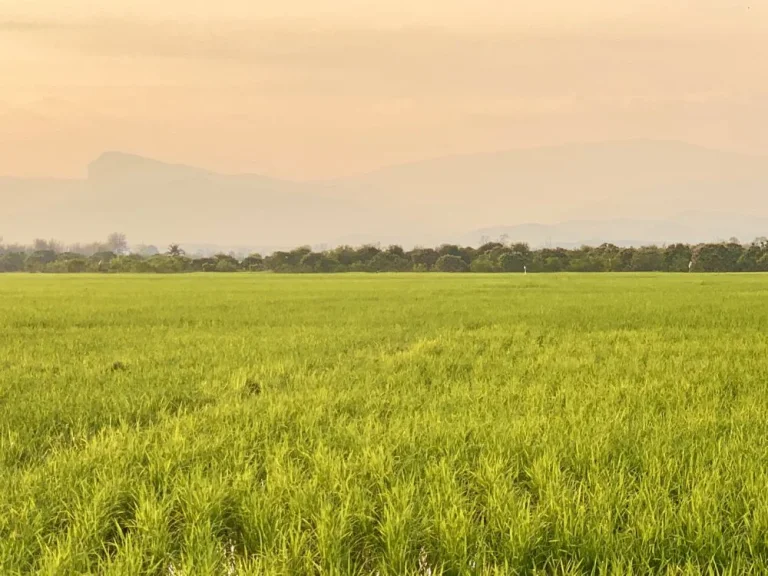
(114, 256)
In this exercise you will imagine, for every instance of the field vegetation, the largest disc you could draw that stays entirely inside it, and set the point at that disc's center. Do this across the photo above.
(405, 424)
(115, 256)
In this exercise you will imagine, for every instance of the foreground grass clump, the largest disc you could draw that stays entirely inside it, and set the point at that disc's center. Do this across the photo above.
(384, 425)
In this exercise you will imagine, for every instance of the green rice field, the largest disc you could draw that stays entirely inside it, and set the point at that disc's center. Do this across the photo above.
(384, 424)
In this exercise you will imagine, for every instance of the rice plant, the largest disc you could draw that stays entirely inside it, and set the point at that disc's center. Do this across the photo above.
(384, 424)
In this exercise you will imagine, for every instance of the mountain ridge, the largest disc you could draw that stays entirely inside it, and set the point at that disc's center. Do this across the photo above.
(118, 154)
(412, 203)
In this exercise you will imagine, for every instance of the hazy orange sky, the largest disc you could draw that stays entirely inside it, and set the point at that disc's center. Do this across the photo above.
(322, 88)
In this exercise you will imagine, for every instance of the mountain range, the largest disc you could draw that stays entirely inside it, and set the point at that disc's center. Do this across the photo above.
(633, 192)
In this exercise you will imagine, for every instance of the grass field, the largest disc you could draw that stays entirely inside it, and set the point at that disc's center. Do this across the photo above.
(392, 425)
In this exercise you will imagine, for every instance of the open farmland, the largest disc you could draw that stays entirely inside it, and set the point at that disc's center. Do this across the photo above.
(384, 424)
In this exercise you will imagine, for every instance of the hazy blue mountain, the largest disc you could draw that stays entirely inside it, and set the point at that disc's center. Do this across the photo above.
(622, 192)
(690, 227)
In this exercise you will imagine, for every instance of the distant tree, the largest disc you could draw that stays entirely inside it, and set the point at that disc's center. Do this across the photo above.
(495, 254)
(40, 245)
(319, 262)
(488, 246)
(585, 263)
(203, 264)
(624, 263)
(648, 259)
(483, 264)
(226, 265)
(451, 263)
(328, 264)
(515, 258)
(231, 260)
(554, 264)
(521, 248)
(449, 250)
(64, 256)
(175, 250)
(396, 251)
(585, 259)
(309, 261)
(677, 257)
(609, 255)
(107, 255)
(74, 265)
(278, 262)
(39, 259)
(550, 260)
(723, 257)
(161, 264)
(165, 264)
(16, 248)
(147, 250)
(117, 243)
(281, 261)
(490, 257)
(752, 255)
(296, 255)
(511, 262)
(344, 255)
(454, 250)
(88, 250)
(389, 261)
(734, 251)
(424, 258)
(133, 263)
(101, 261)
(717, 257)
(254, 263)
(12, 262)
(366, 253)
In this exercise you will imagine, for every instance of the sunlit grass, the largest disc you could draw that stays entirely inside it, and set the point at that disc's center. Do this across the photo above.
(414, 424)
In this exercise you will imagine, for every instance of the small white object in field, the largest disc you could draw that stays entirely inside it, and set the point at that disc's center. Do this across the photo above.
(424, 568)
(525, 269)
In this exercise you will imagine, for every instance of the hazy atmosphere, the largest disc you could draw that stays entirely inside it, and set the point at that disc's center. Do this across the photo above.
(384, 287)
(305, 91)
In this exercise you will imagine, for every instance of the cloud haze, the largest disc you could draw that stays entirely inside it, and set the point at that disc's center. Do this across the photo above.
(304, 89)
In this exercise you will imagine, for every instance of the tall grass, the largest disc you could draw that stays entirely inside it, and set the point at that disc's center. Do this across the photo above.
(391, 425)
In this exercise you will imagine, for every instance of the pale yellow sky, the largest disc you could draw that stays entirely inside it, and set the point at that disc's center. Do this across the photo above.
(309, 88)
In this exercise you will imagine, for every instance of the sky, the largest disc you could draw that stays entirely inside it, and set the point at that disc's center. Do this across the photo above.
(311, 89)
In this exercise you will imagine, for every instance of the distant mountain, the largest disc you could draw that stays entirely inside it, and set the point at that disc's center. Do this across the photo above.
(690, 227)
(623, 192)
(158, 203)
(637, 179)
